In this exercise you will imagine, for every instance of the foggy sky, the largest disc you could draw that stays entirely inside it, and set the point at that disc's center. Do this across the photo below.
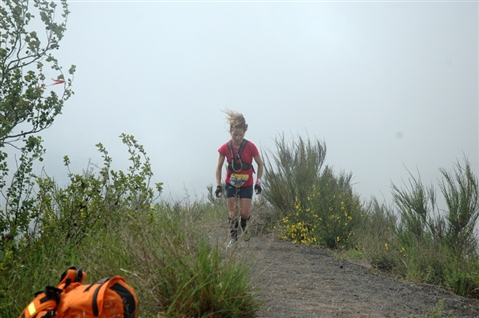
(388, 86)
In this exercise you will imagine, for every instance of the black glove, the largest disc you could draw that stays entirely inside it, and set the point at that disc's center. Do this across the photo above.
(218, 191)
(257, 189)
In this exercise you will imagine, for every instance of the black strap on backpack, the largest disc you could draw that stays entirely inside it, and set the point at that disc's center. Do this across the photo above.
(236, 163)
(48, 294)
(78, 276)
(51, 293)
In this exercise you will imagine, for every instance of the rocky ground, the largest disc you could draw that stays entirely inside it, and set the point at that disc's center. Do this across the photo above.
(305, 281)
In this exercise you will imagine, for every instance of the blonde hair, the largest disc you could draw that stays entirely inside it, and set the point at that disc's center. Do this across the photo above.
(235, 120)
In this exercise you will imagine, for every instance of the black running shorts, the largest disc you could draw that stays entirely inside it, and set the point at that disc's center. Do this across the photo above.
(244, 192)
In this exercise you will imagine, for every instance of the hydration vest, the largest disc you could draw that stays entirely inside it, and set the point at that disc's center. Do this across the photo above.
(236, 163)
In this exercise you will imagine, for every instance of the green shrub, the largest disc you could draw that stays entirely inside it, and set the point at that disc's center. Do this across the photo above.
(329, 215)
(97, 199)
(375, 237)
(106, 224)
(461, 193)
(291, 172)
(60, 219)
(316, 206)
(171, 263)
(418, 242)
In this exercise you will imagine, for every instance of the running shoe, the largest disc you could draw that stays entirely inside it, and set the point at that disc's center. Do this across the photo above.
(245, 233)
(232, 242)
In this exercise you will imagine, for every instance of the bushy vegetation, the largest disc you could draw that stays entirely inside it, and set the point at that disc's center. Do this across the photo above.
(317, 206)
(172, 253)
(330, 214)
(291, 172)
(107, 223)
(412, 238)
(425, 244)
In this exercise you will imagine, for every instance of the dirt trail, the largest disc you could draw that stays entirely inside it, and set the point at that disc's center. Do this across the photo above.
(304, 281)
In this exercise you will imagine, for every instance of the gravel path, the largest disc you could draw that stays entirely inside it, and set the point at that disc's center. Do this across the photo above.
(305, 281)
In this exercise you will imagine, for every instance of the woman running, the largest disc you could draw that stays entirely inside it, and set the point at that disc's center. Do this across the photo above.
(239, 154)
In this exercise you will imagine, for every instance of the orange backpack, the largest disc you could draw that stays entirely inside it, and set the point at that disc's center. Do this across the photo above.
(108, 297)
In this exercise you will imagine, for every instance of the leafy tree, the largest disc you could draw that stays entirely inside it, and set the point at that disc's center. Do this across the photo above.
(28, 104)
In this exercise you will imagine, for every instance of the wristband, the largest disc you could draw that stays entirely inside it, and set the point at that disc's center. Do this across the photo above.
(259, 182)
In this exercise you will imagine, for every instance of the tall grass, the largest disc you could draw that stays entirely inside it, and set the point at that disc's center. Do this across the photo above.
(421, 243)
(107, 224)
(176, 268)
(461, 192)
(164, 253)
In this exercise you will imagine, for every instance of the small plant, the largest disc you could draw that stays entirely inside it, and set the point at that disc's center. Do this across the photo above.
(437, 312)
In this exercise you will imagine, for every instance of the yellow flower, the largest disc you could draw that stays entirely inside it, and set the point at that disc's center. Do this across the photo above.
(338, 239)
(386, 246)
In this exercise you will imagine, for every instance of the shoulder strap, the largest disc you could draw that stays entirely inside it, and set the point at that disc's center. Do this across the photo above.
(230, 147)
(243, 144)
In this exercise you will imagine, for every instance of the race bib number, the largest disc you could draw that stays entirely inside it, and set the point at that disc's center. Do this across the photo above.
(238, 180)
